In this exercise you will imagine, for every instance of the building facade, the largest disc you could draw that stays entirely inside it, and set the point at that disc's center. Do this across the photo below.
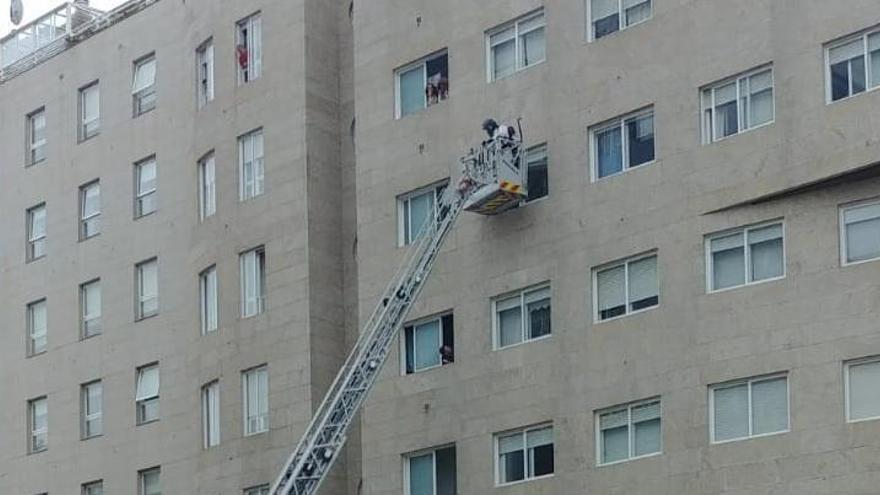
(687, 301)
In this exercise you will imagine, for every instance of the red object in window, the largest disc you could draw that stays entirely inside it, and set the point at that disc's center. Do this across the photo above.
(242, 53)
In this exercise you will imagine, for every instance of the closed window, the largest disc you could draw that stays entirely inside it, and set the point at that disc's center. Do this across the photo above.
(422, 84)
(257, 490)
(626, 287)
(623, 143)
(738, 104)
(147, 394)
(431, 473)
(92, 400)
(211, 414)
(36, 232)
(253, 282)
(249, 48)
(145, 196)
(629, 431)
(36, 137)
(207, 187)
(853, 65)
(147, 282)
(522, 317)
(255, 391)
(38, 425)
(90, 210)
(745, 256)
(525, 454)
(862, 390)
(516, 45)
(143, 87)
(37, 328)
(208, 299)
(90, 305)
(749, 408)
(428, 343)
(205, 71)
(250, 165)
(536, 172)
(148, 482)
(415, 211)
(90, 111)
(609, 16)
(860, 233)
(93, 488)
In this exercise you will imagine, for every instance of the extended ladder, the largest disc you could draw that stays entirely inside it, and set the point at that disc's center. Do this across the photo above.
(309, 464)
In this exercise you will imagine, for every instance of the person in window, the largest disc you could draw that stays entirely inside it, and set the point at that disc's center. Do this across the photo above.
(447, 355)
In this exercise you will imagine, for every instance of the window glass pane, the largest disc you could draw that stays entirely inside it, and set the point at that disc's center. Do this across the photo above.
(510, 326)
(537, 182)
(647, 437)
(760, 109)
(608, 152)
(615, 443)
(144, 76)
(840, 80)
(726, 116)
(728, 261)
(503, 59)
(864, 393)
(148, 383)
(643, 285)
(604, 14)
(636, 11)
(533, 47)
(874, 58)
(427, 344)
(421, 211)
(863, 240)
(766, 252)
(513, 467)
(857, 71)
(437, 83)
(412, 90)
(640, 139)
(611, 292)
(541, 461)
(421, 475)
(769, 406)
(444, 460)
(538, 316)
(731, 412)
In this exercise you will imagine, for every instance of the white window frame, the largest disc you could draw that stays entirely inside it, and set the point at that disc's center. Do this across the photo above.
(88, 417)
(518, 44)
(141, 401)
(710, 267)
(207, 186)
(843, 209)
(86, 218)
(40, 238)
(246, 405)
(33, 337)
(423, 62)
(523, 295)
(143, 94)
(870, 84)
(33, 144)
(628, 407)
(253, 23)
(405, 236)
(142, 474)
(591, 35)
(33, 431)
(209, 300)
(257, 490)
(205, 73)
(84, 121)
(90, 324)
(257, 165)
(141, 297)
(620, 122)
(210, 414)
(524, 432)
(750, 383)
(625, 262)
(847, 402)
(407, 477)
(416, 323)
(258, 282)
(708, 135)
(90, 487)
(141, 195)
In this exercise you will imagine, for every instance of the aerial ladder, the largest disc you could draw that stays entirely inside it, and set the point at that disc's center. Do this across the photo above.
(492, 181)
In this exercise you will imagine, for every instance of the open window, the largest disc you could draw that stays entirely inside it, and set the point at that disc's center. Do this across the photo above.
(249, 48)
(143, 88)
(428, 343)
(431, 473)
(422, 84)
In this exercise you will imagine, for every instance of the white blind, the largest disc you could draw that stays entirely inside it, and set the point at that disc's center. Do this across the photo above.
(91, 300)
(510, 443)
(765, 234)
(613, 419)
(90, 103)
(38, 222)
(846, 52)
(725, 94)
(603, 8)
(144, 75)
(91, 200)
(770, 406)
(861, 213)
(611, 287)
(643, 279)
(645, 412)
(863, 240)
(38, 319)
(731, 412)
(148, 383)
(864, 392)
(149, 282)
(536, 438)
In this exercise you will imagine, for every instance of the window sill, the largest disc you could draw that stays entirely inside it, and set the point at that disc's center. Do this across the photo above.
(622, 172)
(83, 337)
(144, 215)
(36, 452)
(597, 321)
(845, 264)
(829, 101)
(429, 368)
(83, 239)
(83, 139)
(742, 286)
(144, 423)
(34, 164)
(36, 354)
(740, 133)
(524, 342)
(515, 72)
(256, 433)
(750, 437)
(146, 317)
(34, 260)
(630, 459)
(526, 480)
(85, 439)
(144, 112)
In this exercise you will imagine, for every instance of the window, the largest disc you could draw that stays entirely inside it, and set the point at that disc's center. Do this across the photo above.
(36, 327)
(90, 111)
(147, 394)
(731, 264)
(205, 70)
(36, 137)
(211, 415)
(143, 86)
(853, 66)
(145, 187)
(609, 16)
(93, 488)
(255, 391)
(862, 393)
(148, 482)
(415, 210)
(250, 165)
(431, 473)
(257, 490)
(428, 344)
(147, 275)
(92, 396)
(516, 45)
(90, 304)
(90, 210)
(860, 233)
(749, 408)
(207, 187)
(422, 84)
(738, 104)
(536, 172)
(36, 232)
(249, 48)
(623, 144)
(524, 455)
(253, 282)
(626, 287)
(629, 432)
(522, 317)
(38, 413)
(208, 299)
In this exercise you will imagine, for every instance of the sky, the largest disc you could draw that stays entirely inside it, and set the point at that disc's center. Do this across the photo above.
(36, 8)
